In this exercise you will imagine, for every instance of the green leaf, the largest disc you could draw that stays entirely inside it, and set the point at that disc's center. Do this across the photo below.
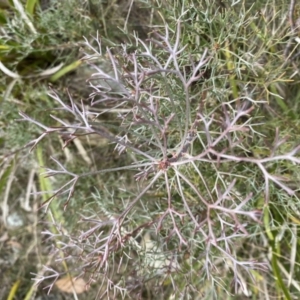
(65, 70)
(30, 5)
(5, 176)
(2, 17)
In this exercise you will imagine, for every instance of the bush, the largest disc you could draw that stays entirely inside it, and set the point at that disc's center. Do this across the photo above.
(201, 172)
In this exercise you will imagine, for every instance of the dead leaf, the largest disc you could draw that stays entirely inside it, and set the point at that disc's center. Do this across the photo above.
(69, 285)
(16, 246)
(4, 237)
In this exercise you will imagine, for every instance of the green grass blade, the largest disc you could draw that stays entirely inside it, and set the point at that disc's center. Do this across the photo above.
(66, 70)
(5, 176)
(278, 276)
(30, 6)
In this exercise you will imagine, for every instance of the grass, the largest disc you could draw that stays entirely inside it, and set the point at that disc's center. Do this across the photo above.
(168, 163)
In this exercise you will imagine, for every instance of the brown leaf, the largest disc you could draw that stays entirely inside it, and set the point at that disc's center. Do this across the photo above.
(69, 285)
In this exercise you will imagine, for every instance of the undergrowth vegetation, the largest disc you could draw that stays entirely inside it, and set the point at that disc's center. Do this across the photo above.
(173, 172)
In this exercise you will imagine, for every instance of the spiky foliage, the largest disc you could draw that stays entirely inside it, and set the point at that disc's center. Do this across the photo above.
(202, 173)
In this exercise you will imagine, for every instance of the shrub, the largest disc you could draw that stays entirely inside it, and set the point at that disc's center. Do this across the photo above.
(200, 172)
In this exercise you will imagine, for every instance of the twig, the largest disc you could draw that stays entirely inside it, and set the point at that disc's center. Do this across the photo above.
(292, 25)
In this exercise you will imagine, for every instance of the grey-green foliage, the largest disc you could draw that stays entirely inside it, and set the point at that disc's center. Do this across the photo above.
(206, 170)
